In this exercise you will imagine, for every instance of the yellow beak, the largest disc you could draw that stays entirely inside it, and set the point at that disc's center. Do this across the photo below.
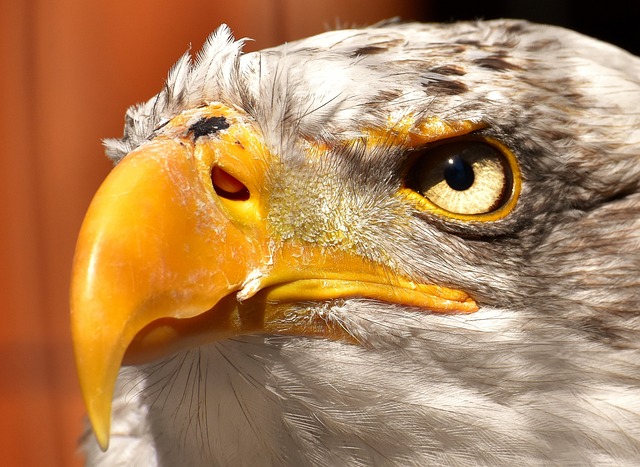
(167, 259)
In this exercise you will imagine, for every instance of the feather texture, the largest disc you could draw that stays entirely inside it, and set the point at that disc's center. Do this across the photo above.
(547, 372)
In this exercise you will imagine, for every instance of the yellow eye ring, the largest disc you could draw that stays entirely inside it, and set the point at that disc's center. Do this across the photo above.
(471, 178)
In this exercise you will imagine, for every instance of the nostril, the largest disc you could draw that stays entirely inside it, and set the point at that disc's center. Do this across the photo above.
(227, 186)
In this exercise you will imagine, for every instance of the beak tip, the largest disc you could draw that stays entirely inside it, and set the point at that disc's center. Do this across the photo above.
(100, 419)
(103, 441)
(97, 378)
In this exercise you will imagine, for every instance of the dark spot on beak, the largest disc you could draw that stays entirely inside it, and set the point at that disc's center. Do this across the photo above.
(208, 126)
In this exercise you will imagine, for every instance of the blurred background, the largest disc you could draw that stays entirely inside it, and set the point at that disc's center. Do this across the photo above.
(69, 71)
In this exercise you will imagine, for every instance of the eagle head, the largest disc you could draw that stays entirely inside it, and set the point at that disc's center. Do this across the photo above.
(405, 244)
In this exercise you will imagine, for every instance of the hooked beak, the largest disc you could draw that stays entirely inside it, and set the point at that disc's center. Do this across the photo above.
(175, 251)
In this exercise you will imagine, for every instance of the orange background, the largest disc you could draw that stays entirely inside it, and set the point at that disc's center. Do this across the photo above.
(69, 71)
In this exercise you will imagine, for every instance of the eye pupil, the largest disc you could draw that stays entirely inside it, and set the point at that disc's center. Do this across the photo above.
(458, 173)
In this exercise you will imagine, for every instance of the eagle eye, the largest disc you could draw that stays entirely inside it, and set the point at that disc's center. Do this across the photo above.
(466, 177)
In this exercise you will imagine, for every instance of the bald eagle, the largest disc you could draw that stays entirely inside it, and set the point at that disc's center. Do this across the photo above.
(408, 244)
